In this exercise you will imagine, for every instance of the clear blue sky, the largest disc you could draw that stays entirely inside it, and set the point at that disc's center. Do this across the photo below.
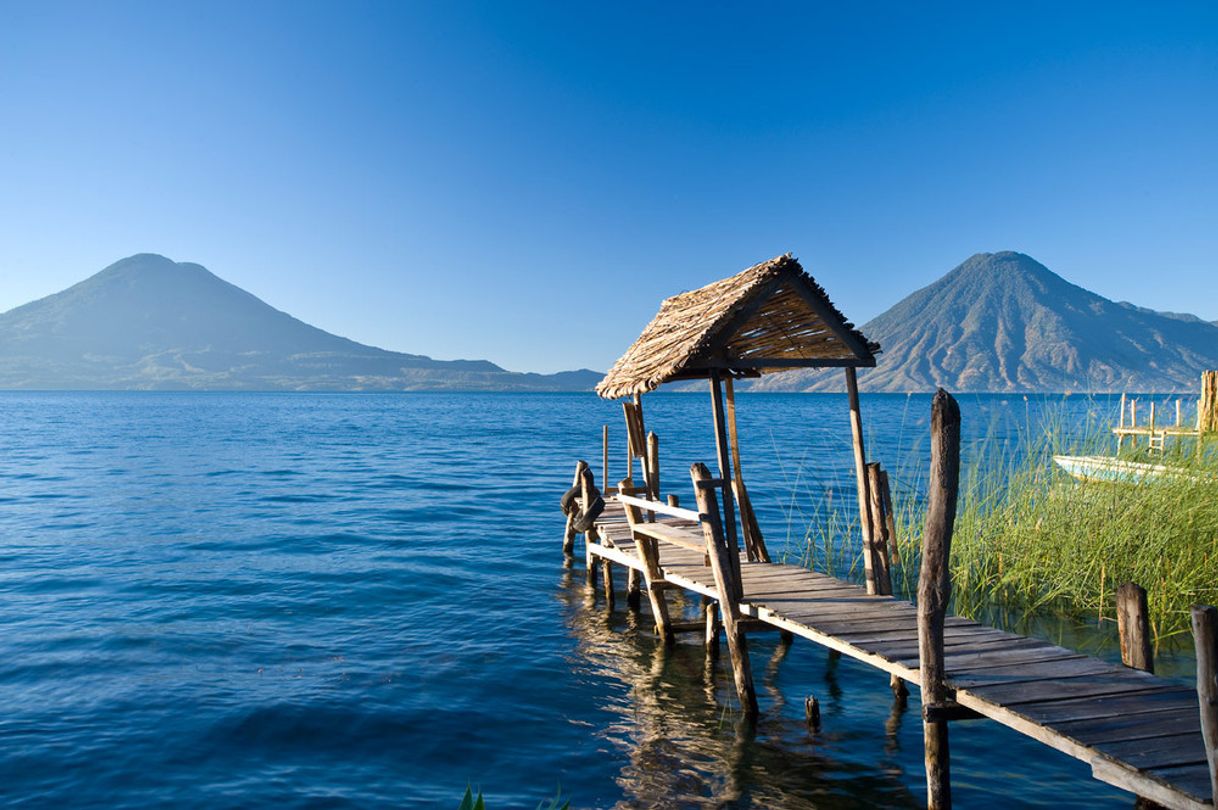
(524, 182)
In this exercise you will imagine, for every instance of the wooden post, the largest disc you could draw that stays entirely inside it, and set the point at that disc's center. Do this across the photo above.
(568, 538)
(1205, 637)
(710, 610)
(653, 466)
(653, 576)
(721, 450)
(754, 543)
(633, 591)
(890, 521)
(605, 454)
(608, 580)
(727, 582)
(1133, 625)
(586, 486)
(1207, 407)
(860, 473)
(935, 590)
(1179, 414)
(878, 548)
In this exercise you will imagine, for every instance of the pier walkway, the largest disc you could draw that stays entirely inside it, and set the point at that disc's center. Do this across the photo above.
(1138, 732)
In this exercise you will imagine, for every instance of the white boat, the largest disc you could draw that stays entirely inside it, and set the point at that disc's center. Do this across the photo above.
(1119, 471)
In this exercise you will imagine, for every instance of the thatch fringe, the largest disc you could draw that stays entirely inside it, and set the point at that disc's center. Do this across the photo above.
(773, 311)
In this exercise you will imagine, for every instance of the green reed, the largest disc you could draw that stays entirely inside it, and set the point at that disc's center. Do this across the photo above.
(1031, 539)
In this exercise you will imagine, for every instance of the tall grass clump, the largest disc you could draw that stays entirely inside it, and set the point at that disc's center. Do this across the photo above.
(1030, 538)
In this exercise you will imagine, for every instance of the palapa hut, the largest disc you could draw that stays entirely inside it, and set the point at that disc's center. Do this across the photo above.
(771, 317)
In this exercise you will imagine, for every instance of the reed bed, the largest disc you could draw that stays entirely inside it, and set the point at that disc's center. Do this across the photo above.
(1031, 542)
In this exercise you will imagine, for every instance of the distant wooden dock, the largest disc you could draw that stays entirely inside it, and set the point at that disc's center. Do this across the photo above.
(1150, 736)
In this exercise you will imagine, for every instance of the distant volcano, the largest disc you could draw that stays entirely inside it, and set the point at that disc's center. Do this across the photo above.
(146, 322)
(1005, 322)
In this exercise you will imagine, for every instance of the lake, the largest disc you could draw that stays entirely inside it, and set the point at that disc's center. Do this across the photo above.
(315, 600)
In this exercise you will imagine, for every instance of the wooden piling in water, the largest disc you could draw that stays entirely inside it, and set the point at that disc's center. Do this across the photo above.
(710, 613)
(728, 585)
(934, 594)
(1133, 626)
(878, 547)
(653, 577)
(1205, 639)
(586, 485)
(568, 538)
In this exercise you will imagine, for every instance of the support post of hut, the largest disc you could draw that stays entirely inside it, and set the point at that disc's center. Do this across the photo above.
(727, 583)
(934, 593)
(1133, 626)
(1205, 639)
(754, 543)
(725, 466)
(860, 474)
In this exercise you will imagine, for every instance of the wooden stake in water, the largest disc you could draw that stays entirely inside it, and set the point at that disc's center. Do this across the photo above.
(935, 591)
(1133, 625)
(1205, 637)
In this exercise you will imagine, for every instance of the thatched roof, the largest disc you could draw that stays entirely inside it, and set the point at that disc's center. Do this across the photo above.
(770, 317)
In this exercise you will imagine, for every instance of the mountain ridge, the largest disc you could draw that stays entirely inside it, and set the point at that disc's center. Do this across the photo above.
(1003, 322)
(147, 322)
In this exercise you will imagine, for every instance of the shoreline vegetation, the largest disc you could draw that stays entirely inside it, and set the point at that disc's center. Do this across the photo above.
(1031, 543)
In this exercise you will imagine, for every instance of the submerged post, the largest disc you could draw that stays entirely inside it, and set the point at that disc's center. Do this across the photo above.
(727, 583)
(1133, 626)
(860, 474)
(935, 590)
(1205, 637)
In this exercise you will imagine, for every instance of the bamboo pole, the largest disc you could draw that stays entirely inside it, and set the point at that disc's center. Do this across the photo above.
(934, 593)
(1133, 626)
(727, 582)
(1205, 639)
(860, 473)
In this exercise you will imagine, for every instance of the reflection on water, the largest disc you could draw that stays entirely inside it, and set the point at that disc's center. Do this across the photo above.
(686, 743)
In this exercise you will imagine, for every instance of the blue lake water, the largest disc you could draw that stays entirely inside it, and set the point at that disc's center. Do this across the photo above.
(305, 600)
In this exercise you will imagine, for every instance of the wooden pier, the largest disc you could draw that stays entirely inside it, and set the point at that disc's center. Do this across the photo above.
(1150, 736)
